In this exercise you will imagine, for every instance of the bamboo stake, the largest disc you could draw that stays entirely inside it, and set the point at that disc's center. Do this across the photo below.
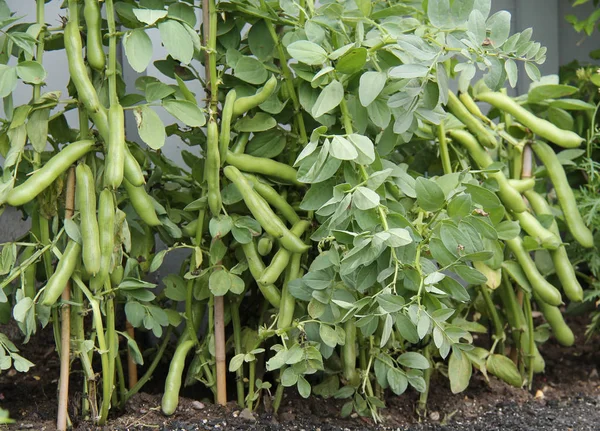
(209, 25)
(132, 371)
(65, 323)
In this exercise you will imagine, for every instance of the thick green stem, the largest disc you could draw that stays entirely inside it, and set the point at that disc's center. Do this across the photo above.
(113, 345)
(121, 378)
(234, 309)
(530, 357)
(251, 380)
(279, 391)
(422, 404)
(496, 322)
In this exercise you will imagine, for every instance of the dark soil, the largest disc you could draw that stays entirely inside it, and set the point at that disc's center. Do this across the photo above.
(565, 398)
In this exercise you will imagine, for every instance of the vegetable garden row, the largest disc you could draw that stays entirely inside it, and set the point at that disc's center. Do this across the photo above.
(350, 220)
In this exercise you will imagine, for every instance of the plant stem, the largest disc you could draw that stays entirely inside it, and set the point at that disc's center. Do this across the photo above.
(531, 347)
(251, 381)
(444, 154)
(121, 377)
(102, 346)
(148, 374)
(234, 310)
(111, 339)
(65, 322)
(279, 391)
(498, 329)
(422, 404)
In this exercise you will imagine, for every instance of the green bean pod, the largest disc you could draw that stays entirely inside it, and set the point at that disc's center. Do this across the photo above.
(274, 199)
(29, 273)
(264, 166)
(85, 201)
(64, 270)
(560, 258)
(522, 185)
(281, 259)
(244, 104)
(46, 175)
(539, 284)
(226, 116)
(106, 223)
(115, 155)
(471, 106)
(257, 267)
(93, 24)
(564, 192)
(263, 213)
(349, 353)
(265, 245)
(288, 302)
(131, 169)
(554, 317)
(212, 167)
(541, 127)
(533, 227)
(142, 204)
(170, 398)
(456, 108)
(510, 197)
(86, 93)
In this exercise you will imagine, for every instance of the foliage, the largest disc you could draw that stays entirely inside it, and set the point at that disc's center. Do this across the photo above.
(342, 227)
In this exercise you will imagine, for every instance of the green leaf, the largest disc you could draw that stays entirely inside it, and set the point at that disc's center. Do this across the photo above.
(31, 72)
(330, 98)
(150, 127)
(251, 70)
(430, 196)
(539, 93)
(138, 49)
(499, 26)
(22, 308)
(352, 61)
(307, 52)
(407, 71)
(303, 387)
(365, 199)
(512, 71)
(220, 226)
(260, 41)
(328, 335)
(365, 148)
(219, 282)
(459, 371)
(397, 381)
(269, 144)
(414, 360)
(508, 230)
(157, 91)
(8, 80)
(342, 149)
(176, 40)
(134, 350)
(135, 313)
(37, 128)
(259, 123)
(438, 12)
(532, 71)
(185, 111)
(572, 105)
(236, 362)
(370, 86)
(175, 287)
(149, 16)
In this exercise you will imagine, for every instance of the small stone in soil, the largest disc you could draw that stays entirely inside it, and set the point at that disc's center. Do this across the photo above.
(247, 415)
(434, 416)
(197, 405)
(539, 395)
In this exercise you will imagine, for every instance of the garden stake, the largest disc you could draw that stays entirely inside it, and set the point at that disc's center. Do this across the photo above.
(132, 371)
(65, 322)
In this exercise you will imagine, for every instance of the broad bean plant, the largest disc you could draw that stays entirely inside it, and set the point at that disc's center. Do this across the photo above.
(350, 219)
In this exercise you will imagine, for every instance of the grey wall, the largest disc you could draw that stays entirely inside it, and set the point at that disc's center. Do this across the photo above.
(545, 16)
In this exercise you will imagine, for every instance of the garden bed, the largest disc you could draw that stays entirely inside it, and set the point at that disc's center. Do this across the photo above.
(566, 397)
